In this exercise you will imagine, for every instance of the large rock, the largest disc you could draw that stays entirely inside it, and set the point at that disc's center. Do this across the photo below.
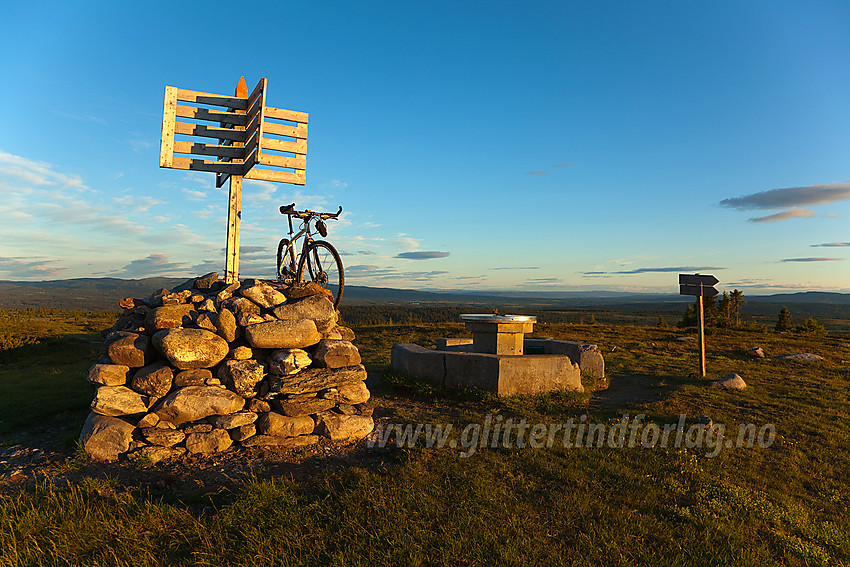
(354, 393)
(192, 377)
(242, 376)
(215, 441)
(316, 379)
(731, 382)
(284, 362)
(305, 407)
(283, 334)
(306, 289)
(281, 442)
(197, 402)
(170, 316)
(317, 308)
(335, 354)
(191, 348)
(108, 374)
(206, 281)
(263, 295)
(128, 349)
(154, 454)
(105, 438)
(347, 427)
(153, 380)
(241, 307)
(800, 356)
(284, 426)
(118, 400)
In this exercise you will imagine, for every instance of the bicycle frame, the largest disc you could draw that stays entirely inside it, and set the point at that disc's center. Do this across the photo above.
(290, 247)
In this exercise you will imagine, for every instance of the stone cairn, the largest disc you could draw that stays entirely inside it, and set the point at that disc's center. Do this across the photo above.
(209, 366)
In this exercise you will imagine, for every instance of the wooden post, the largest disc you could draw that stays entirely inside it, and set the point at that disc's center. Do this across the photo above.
(234, 211)
(701, 334)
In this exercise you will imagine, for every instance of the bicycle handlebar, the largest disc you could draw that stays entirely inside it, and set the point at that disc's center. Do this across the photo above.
(307, 213)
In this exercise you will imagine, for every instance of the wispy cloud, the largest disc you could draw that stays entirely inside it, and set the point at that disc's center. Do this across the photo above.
(790, 197)
(537, 172)
(832, 244)
(423, 255)
(785, 215)
(156, 264)
(517, 268)
(661, 270)
(31, 268)
(36, 172)
(563, 164)
(812, 259)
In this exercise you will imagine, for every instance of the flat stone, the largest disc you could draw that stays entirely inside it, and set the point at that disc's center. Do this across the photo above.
(108, 374)
(287, 361)
(354, 393)
(241, 306)
(197, 428)
(335, 354)
(205, 321)
(192, 377)
(148, 420)
(347, 427)
(283, 334)
(282, 442)
(153, 380)
(306, 407)
(758, 352)
(170, 316)
(242, 376)
(118, 401)
(198, 402)
(105, 438)
(206, 281)
(241, 353)
(128, 349)
(346, 334)
(257, 405)
(316, 379)
(207, 306)
(263, 295)
(731, 382)
(191, 348)
(162, 437)
(225, 323)
(215, 441)
(317, 308)
(234, 420)
(284, 426)
(800, 356)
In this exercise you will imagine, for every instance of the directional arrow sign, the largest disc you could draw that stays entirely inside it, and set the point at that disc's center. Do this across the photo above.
(696, 279)
(705, 290)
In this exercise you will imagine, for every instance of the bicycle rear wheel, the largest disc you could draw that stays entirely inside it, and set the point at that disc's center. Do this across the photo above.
(322, 265)
(284, 264)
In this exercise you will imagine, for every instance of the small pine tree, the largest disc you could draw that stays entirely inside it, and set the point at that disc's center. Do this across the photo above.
(591, 320)
(737, 300)
(662, 324)
(811, 327)
(783, 323)
(690, 318)
(724, 308)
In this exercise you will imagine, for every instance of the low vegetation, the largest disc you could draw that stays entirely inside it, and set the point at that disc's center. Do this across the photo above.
(784, 504)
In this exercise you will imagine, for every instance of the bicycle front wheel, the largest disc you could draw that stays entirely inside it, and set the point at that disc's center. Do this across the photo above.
(322, 265)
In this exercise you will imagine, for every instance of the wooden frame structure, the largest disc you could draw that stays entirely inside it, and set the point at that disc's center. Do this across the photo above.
(246, 138)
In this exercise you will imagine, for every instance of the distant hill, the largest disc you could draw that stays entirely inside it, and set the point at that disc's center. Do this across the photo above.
(102, 294)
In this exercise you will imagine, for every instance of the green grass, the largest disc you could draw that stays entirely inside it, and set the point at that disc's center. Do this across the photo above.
(782, 505)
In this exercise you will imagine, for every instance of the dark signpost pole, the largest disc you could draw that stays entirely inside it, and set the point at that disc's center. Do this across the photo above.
(702, 286)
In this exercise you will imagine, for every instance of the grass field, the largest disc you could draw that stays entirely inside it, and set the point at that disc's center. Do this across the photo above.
(783, 504)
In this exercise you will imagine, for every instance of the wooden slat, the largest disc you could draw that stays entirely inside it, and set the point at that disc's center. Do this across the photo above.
(281, 114)
(207, 132)
(296, 177)
(299, 131)
(213, 99)
(203, 165)
(181, 147)
(206, 114)
(221, 179)
(258, 90)
(282, 161)
(166, 142)
(297, 147)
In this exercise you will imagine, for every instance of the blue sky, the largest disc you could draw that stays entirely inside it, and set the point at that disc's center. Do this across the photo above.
(473, 145)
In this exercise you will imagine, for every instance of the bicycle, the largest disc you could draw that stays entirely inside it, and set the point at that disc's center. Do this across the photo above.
(320, 259)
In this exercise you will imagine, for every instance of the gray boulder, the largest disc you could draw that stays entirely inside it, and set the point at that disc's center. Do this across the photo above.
(118, 401)
(316, 379)
(306, 407)
(800, 357)
(263, 295)
(347, 427)
(317, 308)
(234, 420)
(170, 316)
(198, 402)
(153, 380)
(108, 374)
(105, 438)
(284, 362)
(335, 354)
(354, 393)
(215, 441)
(225, 324)
(284, 426)
(731, 382)
(162, 437)
(190, 348)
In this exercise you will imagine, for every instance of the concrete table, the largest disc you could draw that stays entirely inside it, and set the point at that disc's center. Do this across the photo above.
(498, 334)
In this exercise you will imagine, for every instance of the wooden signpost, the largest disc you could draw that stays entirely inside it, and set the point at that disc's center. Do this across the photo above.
(235, 131)
(702, 286)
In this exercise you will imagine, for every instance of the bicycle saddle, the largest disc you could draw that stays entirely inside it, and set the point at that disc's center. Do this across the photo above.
(287, 208)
